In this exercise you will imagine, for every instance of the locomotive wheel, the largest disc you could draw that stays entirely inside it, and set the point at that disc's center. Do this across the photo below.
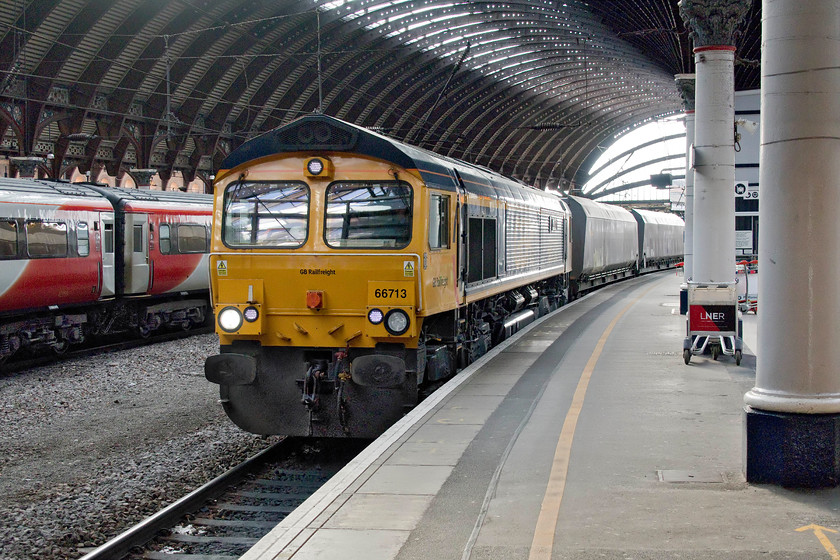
(686, 355)
(738, 356)
(60, 346)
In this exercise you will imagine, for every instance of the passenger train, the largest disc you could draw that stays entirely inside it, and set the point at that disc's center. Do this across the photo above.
(81, 260)
(349, 271)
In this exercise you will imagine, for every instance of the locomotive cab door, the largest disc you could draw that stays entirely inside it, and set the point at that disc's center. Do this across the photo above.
(136, 253)
(461, 236)
(107, 279)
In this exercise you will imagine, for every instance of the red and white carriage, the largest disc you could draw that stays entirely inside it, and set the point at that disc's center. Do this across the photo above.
(81, 260)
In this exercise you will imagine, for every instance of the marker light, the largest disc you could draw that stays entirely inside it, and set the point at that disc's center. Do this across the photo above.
(375, 316)
(251, 314)
(315, 166)
(230, 319)
(396, 322)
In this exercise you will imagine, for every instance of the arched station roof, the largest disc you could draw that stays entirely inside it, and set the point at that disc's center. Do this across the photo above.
(529, 88)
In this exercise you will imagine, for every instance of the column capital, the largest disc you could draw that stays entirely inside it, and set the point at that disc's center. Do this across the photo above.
(142, 177)
(686, 85)
(713, 22)
(27, 165)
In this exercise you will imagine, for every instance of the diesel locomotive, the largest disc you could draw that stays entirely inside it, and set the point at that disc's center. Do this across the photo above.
(349, 271)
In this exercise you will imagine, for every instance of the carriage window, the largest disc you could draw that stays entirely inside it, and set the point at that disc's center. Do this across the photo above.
(46, 239)
(109, 238)
(272, 214)
(164, 240)
(438, 221)
(192, 238)
(8, 239)
(82, 239)
(368, 215)
(138, 238)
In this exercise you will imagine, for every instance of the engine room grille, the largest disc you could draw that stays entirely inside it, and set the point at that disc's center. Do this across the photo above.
(315, 134)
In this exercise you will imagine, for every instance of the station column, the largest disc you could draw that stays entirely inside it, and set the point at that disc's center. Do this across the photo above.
(685, 83)
(713, 24)
(793, 412)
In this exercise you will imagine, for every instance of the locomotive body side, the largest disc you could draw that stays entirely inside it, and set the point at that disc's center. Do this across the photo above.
(348, 270)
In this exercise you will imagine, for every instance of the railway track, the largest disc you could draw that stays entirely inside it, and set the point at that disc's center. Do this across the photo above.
(113, 343)
(226, 516)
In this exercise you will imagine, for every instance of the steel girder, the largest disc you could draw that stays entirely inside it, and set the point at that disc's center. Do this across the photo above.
(174, 86)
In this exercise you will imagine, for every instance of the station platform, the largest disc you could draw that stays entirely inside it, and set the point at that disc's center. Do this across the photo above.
(584, 436)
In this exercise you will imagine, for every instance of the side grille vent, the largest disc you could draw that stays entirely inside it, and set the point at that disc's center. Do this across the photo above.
(316, 133)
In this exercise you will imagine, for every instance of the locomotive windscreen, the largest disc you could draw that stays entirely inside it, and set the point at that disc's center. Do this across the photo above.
(368, 214)
(270, 214)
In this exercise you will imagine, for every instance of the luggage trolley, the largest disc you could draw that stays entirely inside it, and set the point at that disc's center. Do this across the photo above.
(713, 321)
(748, 289)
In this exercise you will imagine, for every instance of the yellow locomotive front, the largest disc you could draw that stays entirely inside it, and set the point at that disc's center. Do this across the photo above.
(317, 279)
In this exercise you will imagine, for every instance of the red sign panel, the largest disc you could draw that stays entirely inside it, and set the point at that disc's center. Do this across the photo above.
(712, 318)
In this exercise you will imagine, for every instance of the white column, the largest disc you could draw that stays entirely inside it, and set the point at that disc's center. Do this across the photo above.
(798, 369)
(685, 83)
(688, 258)
(714, 165)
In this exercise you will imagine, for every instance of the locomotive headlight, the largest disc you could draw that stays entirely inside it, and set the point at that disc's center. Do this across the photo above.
(375, 316)
(396, 322)
(230, 319)
(251, 314)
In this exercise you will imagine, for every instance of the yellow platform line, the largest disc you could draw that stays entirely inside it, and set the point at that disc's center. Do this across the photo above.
(543, 541)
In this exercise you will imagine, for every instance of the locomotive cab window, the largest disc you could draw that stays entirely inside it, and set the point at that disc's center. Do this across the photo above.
(368, 215)
(8, 239)
(266, 214)
(438, 221)
(46, 239)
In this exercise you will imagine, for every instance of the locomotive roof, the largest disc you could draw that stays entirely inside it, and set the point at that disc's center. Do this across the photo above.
(322, 133)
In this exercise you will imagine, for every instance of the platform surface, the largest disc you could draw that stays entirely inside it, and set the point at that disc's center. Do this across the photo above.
(583, 437)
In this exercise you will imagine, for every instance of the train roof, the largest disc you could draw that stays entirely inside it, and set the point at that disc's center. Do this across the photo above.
(593, 209)
(55, 193)
(138, 198)
(95, 196)
(322, 133)
(662, 218)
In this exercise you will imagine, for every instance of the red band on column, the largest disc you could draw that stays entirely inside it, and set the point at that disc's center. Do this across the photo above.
(714, 48)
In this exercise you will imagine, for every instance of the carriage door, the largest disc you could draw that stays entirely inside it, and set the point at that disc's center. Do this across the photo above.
(137, 253)
(106, 227)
